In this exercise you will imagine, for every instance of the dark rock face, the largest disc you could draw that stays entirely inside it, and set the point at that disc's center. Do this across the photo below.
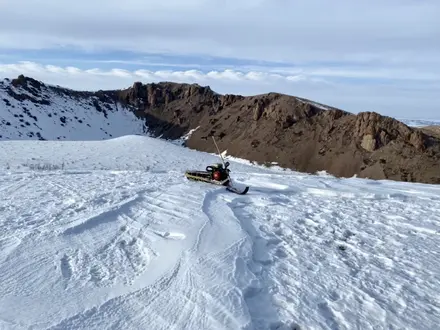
(296, 133)
(171, 109)
(30, 85)
(377, 131)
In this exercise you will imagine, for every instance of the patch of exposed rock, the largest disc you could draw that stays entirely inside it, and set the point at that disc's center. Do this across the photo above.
(433, 131)
(377, 131)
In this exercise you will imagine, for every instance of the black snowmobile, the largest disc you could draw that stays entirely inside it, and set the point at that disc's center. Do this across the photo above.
(216, 174)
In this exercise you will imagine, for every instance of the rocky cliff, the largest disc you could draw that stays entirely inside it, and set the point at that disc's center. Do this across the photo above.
(294, 132)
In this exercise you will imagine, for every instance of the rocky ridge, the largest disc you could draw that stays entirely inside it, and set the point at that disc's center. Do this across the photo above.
(294, 132)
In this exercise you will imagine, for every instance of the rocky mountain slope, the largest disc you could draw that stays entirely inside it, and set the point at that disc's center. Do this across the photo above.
(296, 133)
(293, 132)
(30, 109)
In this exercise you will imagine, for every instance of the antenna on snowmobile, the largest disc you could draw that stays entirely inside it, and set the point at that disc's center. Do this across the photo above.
(223, 161)
(218, 150)
(216, 175)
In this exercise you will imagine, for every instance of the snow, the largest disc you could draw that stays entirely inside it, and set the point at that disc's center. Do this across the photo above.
(315, 104)
(420, 122)
(110, 234)
(63, 116)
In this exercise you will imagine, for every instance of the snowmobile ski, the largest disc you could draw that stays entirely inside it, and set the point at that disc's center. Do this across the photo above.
(238, 191)
(203, 176)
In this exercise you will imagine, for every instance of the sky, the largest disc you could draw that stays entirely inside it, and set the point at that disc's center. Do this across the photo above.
(373, 55)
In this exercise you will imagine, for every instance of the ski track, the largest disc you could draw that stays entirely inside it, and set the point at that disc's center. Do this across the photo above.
(147, 249)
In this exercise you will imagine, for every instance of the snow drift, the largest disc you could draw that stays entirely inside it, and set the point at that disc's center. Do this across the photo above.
(109, 234)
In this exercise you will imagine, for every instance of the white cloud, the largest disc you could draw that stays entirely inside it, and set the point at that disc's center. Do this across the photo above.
(268, 30)
(376, 40)
(408, 100)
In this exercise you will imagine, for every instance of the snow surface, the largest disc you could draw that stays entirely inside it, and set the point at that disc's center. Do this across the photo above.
(316, 104)
(420, 122)
(109, 234)
(64, 118)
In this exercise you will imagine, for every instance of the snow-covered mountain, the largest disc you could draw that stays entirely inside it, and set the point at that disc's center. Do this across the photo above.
(32, 110)
(110, 234)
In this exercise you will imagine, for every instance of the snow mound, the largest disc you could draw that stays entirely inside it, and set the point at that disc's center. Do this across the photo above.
(110, 234)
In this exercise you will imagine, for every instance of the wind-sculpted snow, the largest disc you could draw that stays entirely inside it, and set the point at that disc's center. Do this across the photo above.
(109, 234)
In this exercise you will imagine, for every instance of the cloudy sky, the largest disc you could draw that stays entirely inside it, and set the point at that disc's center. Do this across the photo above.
(370, 55)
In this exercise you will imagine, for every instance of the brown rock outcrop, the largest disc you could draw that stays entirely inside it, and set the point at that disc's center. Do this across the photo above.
(296, 133)
(377, 131)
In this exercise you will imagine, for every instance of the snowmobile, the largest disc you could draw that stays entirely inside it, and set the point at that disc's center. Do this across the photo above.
(215, 173)
(218, 174)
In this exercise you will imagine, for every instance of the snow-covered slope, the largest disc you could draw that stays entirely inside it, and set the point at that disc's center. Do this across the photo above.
(38, 111)
(109, 234)
(420, 122)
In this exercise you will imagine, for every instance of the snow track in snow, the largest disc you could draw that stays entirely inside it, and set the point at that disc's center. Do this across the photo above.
(137, 246)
